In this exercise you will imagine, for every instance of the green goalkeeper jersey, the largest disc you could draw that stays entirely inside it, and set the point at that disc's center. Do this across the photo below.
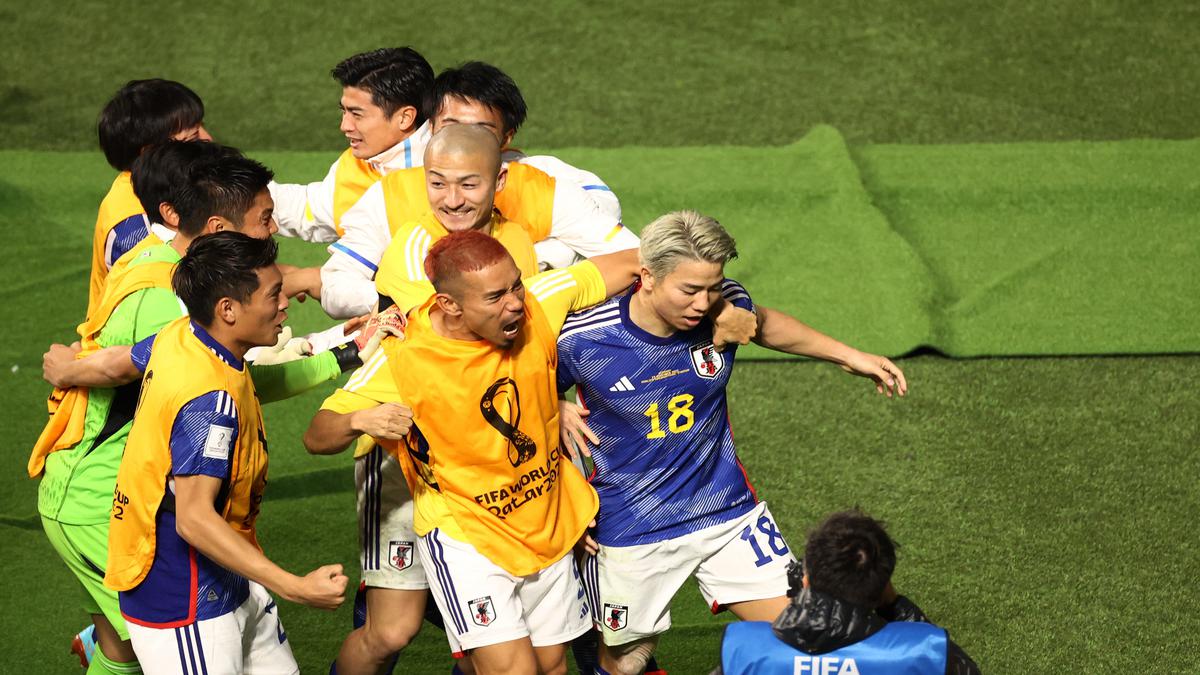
(77, 486)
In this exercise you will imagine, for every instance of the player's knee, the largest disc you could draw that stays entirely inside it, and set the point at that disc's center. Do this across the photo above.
(632, 658)
(389, 637)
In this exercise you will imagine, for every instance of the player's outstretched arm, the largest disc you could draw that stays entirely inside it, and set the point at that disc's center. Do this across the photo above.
(109, 367)
(332, 432)
(619, 270)
(201, 526)
(347, 277)
(301, 282)
(784, 333)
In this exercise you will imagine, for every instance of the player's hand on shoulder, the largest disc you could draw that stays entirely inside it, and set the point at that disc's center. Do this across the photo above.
(386, 421)
(733, 325)
(887, 376)
(323, 588)
(573, 430)
(55, 362)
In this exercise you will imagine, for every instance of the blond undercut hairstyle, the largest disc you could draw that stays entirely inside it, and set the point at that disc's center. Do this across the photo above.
(681, 236)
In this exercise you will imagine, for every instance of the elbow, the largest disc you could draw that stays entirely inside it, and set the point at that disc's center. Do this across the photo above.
(316, 445)
(121, 371)
(311, 443)
(187, 525)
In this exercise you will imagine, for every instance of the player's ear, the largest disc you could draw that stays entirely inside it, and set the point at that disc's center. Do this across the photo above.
(226, 311)
(215, 224)
(170, 217)
(404, 118)
(448, 304)
(508, 136)
(501, 178)
(647, 279)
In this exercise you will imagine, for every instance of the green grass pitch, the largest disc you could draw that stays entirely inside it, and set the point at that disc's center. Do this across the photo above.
(1045, 506)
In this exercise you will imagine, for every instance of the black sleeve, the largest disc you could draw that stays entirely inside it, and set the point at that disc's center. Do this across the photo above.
(957, 661)
(902, 609)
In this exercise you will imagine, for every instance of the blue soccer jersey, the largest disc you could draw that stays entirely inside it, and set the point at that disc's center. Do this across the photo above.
(184, 585)
(666, 464)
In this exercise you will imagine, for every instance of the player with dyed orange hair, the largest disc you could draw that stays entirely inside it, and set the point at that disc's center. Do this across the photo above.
(497, 506)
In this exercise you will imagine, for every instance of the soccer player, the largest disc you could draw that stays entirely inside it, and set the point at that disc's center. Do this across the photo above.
(674, 499)
(548, 205)
(384, 119)
(183, 555)
(80, 467)
(497, 508)
(142, 114)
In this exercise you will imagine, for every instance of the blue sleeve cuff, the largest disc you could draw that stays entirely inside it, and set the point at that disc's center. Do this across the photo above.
(203, 436)
(140, 353)
(737, 294)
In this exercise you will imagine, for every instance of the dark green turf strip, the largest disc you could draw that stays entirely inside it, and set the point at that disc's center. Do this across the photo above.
(631, 73)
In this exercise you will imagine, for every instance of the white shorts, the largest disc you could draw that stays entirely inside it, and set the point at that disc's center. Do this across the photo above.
(250, 640)
(483, 604)
(388, 554)
(631, 587)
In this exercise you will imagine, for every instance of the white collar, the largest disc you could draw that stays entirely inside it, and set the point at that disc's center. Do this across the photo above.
(162, 232)
(407, 153)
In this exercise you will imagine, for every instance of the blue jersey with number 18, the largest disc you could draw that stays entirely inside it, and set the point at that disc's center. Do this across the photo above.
(666, 464)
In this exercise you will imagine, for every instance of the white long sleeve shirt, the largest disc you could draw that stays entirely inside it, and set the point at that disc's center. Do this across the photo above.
(306, 211)
(585, 222)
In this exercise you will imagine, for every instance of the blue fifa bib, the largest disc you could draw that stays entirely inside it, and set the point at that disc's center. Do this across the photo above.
(901, 647)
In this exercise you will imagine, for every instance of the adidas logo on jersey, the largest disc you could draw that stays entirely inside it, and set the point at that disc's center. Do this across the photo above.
(622, 384)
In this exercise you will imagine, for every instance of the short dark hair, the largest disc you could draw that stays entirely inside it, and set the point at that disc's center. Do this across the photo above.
(161, 172)
(395, 76)
(220, 265)
(144, 113)
(222, 186)
(486, 84)
(850, 556)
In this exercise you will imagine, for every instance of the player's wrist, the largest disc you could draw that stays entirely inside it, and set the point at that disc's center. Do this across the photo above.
(287, 586)
(357, 423)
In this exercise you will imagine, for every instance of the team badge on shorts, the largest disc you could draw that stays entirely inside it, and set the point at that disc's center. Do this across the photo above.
(707, 361)
(400, 554)
(615, 616)
(482, 612)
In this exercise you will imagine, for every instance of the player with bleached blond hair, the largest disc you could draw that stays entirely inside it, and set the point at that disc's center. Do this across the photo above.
(675, 500)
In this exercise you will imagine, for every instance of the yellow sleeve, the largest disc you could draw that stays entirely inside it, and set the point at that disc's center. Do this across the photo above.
(369, 386)
(401, 274)
(561, 292)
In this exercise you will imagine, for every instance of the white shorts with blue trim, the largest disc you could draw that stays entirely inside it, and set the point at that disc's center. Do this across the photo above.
(631, 587)
(388, 543)
(250, 639)
(482, 604)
